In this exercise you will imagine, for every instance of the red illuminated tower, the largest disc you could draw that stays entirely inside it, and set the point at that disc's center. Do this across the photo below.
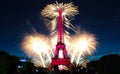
(65, 60)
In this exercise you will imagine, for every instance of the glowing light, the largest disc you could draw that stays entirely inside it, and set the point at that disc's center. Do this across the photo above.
(60, 67)
(68, 12)
(83, 44)
(60, 54)
(41, 48)
(51, 10)
(38, 47)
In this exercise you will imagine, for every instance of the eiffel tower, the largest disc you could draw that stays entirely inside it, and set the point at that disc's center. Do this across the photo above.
(60, 47)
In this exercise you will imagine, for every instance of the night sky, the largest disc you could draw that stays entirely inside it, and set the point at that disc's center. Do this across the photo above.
(99, 17)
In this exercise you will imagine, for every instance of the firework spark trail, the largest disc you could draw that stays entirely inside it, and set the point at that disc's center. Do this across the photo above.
(83, 43)
(42, 47)
(51, 10)
(37, 45)
(68, 12)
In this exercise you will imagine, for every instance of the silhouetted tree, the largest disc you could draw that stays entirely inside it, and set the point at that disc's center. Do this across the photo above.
(30, 68)
(93, 67)
(13, 65)
(4, 62)
(110, 64)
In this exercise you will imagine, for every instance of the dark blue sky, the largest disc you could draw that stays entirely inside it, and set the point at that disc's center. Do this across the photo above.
(100, 17)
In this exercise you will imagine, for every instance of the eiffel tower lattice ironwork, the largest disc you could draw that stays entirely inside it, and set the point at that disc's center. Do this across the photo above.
(65, 60)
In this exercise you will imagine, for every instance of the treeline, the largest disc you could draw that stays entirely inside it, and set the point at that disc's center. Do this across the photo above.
(108, 64)
(8, 64)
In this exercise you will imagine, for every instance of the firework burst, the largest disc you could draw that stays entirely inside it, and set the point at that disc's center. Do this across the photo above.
(68, 12)
(83, 44)
(37, 46)
(42, 47)
(51, 10)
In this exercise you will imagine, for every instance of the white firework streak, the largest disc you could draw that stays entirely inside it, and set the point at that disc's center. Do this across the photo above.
(68, 12)
(83, 44)
(38, 46)
(42, 47)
